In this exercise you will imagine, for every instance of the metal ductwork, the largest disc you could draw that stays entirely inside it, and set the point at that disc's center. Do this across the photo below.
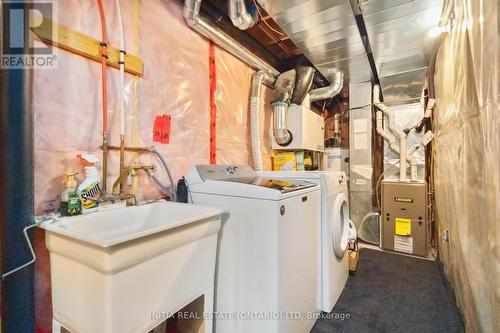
(336, 83)
(240, 16)
(266, 74)
(284, 87)
(303, 83)
(281, 133)
(197, 23)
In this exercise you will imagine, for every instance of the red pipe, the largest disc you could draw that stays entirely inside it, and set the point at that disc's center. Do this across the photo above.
(213, 104)
(104, 46)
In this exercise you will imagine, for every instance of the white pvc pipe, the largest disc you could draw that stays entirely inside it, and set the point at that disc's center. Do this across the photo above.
(391, 140)
(394, 129)
(122, 67)
(413, 170)
(402, 159)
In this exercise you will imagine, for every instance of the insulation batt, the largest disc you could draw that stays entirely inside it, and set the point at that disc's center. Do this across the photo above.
(67, 103)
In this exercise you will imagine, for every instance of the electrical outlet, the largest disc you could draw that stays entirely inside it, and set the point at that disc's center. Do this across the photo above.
(428, 136)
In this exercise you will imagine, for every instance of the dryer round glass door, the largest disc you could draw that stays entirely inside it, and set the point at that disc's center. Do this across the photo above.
(340, 225)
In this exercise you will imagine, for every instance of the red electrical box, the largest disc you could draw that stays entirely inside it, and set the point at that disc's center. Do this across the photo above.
(161, 130)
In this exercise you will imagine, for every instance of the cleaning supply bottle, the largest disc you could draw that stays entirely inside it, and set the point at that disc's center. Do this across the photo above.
(90, 188)
(70, 199)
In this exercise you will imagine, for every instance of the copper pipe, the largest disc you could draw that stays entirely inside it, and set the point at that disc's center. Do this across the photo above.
(105, 151)
(130, 170)
(132, 149)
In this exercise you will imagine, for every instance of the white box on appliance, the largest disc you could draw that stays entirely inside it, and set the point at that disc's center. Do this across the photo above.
(307, 128)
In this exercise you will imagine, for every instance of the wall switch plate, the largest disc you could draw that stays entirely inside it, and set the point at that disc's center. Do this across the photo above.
(446, 235)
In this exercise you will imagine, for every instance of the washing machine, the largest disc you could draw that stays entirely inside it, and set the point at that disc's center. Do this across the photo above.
(267, 260)
(336, 230)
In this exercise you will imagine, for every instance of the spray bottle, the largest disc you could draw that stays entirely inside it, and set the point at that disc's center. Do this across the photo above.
(90, 188)
(70, 199)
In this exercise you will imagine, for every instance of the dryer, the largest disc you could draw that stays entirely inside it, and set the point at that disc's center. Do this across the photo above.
(335, 229)
(267, 261)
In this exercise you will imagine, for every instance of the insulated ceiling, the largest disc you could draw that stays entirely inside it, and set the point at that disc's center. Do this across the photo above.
(326, 32)
(400, 34)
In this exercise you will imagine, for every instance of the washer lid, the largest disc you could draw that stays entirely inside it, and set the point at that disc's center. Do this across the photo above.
(282, 185)
(340, 225)
(244, 174)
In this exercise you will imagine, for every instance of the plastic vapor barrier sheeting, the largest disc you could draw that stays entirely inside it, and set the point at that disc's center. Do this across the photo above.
(67, 101)
(467, 157)
(68, 116)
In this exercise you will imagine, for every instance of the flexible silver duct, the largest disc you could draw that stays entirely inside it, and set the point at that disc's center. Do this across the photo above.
(255, 133)
(266, 74)
(197, 23)
(336, 84)
(303, 82)
(284, 87)
(239, 14)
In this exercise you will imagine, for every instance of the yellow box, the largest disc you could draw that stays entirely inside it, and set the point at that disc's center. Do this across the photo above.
(284, 161)
(353, 259)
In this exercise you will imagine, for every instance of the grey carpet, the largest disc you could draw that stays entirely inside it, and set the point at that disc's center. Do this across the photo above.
(393, 293)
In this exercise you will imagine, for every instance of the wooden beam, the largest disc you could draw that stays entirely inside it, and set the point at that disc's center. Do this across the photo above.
(88, 47)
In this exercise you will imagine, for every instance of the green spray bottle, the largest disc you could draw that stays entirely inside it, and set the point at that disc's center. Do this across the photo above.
(70, 198)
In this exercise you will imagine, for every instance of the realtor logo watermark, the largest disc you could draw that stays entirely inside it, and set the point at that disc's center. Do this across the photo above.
(25, 25)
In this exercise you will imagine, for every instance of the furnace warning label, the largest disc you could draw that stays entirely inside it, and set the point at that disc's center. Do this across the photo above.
(403, 227)
(403, 244)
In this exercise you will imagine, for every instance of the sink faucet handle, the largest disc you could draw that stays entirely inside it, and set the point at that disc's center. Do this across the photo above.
(129, 178)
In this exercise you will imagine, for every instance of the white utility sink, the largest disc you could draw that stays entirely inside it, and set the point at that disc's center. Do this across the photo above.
(125, 270)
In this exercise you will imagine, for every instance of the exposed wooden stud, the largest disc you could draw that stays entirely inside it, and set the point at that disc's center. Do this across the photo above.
(272, 35)
(88, 47)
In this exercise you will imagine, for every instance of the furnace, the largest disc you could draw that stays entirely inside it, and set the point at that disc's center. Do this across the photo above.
(404, 223)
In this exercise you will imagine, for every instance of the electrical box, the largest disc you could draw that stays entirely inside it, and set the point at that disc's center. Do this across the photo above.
(307, 128)
(404, 224)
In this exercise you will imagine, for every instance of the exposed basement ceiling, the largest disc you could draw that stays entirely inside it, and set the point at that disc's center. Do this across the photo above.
(326, 32)
(275, 46)
(387, 41)
(400, 34)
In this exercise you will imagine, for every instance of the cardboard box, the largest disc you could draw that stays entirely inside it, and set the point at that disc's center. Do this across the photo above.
(299, 160)
(284, 161)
